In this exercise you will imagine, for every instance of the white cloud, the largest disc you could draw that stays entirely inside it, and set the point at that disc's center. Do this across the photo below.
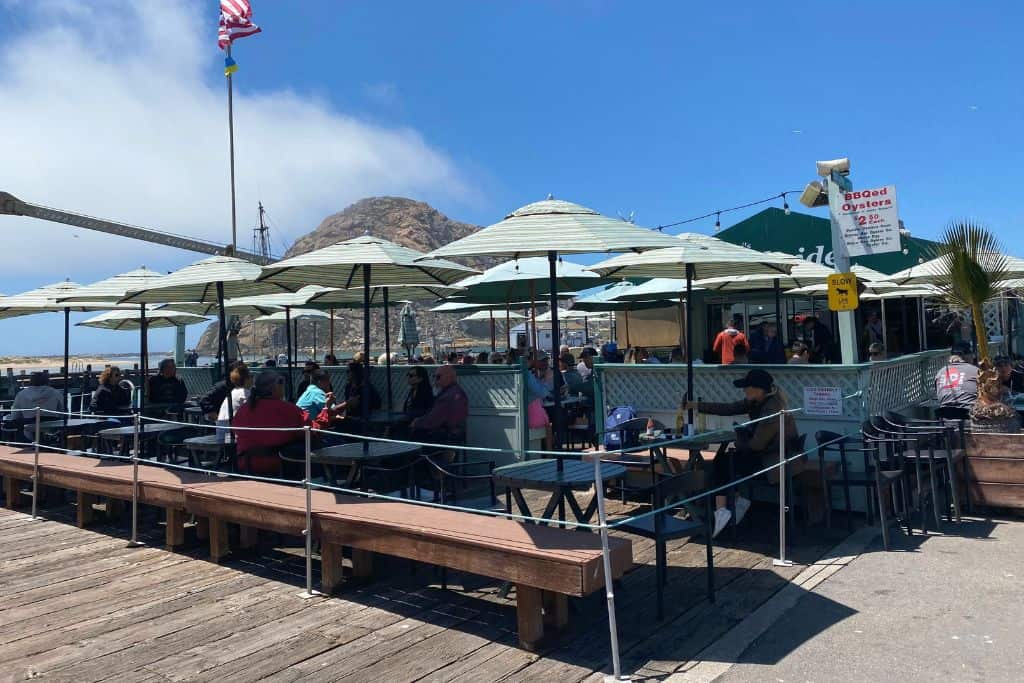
(118, 109)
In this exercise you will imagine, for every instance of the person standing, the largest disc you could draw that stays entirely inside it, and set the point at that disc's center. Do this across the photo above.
(726, 341)
(956, 383)
(766, 346)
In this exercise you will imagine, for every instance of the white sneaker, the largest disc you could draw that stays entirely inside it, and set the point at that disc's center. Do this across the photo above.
(722, 517)
(742, 505)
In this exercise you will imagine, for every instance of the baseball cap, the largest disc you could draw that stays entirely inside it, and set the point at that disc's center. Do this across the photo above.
(755, 378)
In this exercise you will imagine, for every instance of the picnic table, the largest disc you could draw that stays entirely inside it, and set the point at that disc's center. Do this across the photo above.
(561, 479)
(355, 455)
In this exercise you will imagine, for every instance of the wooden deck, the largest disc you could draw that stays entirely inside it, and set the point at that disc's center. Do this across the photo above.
(77, 604)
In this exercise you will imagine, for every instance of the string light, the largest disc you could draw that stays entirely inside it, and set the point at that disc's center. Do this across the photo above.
(718, 222)
(718, 212)
(785, 204)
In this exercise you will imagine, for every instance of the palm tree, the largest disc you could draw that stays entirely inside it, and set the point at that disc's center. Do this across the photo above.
(976, 265)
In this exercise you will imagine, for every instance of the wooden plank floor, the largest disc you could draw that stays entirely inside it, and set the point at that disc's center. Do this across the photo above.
(79, 605)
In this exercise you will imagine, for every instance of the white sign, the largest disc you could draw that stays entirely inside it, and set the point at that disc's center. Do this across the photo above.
(823, 401)
(868, 221)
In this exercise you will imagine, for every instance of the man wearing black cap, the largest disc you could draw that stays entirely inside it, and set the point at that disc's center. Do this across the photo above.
(761, 398)
(956, 383)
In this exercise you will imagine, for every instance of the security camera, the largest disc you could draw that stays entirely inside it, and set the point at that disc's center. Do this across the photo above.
(814, 195)
(840, 166)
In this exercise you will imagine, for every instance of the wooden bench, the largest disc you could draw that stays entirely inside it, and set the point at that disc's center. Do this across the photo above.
(546, 564)
(91, 477)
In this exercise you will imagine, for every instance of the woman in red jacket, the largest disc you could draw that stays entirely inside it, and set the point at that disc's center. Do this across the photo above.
(257, 449)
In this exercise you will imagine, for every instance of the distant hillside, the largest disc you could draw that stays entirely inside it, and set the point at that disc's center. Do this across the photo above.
(404, 221)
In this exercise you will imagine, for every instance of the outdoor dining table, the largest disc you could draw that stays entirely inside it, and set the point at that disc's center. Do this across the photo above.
(562, 480)
(355, 455)
(73, 425)
(215, 444)
(126, 435)
(194, 414)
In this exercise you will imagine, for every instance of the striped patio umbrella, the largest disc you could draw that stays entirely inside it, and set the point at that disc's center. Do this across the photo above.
(549, 228)
(699, 257)
(608, 300)
(408, 332)
(936, 271)
(524, 280)
(133, 320)
(488, 314)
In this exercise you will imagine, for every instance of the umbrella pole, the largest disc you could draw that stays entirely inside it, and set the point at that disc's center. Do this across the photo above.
(508, 327)
(493, 343)
(144, 358)
(689, 342)
(906, 327)
(288, 348)
(586, 332)
(627, 328)
(885, 327)
(387, 344)
(67, 367)
(778, 310)
(222, 323)
(364, 398)
(332, 332)
(555, 373)
(533, 314)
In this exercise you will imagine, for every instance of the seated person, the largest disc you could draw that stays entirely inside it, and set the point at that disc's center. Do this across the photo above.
(420, 399)
(761, 397)
(956, 383)
(307, 376)
(110, 398)
(876, 352)
(317, 402)
(352, 406)
(799, 354)
(990, 413)
(266, 407)
(165, 387)
(445, 422)
(572, 382)
(211, 402)
(241, 383)
(739, 354)
(38, 394)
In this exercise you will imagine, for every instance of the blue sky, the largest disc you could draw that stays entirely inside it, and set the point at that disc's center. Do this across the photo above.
(665, 109)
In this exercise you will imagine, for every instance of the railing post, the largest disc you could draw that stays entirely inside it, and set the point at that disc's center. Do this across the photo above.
(308, 531)
(134, 542)
(609, 584)
(35, 468)
(783, 509)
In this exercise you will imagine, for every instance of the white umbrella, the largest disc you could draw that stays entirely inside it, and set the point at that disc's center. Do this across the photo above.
(295, 314)
(701, 257)
(549, 228)
(408, 332)
(132, 320)
(936, 271)
(488, 315)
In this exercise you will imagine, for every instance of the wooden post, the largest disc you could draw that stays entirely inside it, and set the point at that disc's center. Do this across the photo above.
(248, 536)
(175, 531)
(330, 567)
(362, 563)
(85, 513)
(556, 611)
(202, 528)
(12, 493)
(529, 616)
(219, 546)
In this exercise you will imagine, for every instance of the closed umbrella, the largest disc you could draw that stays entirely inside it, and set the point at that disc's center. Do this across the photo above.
(408, 332)
(701, 257)
(549, 228)
(366, 262)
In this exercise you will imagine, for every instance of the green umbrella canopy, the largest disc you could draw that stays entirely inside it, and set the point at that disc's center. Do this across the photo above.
(45, 300)
(708, 256)
(607, 300)
(132, 320)
(342, 265)
(803, 273)
(936, 271)
(293, 315)
(260, 304)
(488, 314)
(523, 279)
(335, 297)
(658, 288)
(567, 314)
(114, 288)
(558, 226)
(197, 282)
(911, 291)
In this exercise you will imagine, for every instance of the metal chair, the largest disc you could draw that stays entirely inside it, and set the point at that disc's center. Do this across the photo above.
(878, 478)
(944, 448)
(663, 526)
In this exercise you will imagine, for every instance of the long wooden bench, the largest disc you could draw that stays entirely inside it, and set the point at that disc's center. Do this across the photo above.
(546, 564)
(91, 477)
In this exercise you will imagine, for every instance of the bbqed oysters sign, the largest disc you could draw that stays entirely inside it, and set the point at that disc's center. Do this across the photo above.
(868, 221)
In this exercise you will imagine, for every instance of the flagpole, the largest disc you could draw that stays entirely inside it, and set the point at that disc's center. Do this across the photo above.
(231, 147)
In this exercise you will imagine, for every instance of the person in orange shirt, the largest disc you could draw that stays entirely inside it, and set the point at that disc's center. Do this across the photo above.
(727, 340)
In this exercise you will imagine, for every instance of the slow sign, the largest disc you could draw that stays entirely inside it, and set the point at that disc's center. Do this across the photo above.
(842, 292)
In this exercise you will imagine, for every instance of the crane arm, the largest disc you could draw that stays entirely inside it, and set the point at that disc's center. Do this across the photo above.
(12, 206)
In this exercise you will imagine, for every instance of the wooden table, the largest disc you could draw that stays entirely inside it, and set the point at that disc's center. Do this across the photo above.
(126, 435)
(357, 454)
(546, 475)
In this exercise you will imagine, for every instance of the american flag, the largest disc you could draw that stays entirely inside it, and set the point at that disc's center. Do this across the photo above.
(235, 22)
